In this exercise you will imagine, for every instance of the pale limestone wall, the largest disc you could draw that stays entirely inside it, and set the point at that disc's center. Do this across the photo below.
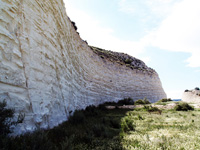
(47, 70)
(192, 96)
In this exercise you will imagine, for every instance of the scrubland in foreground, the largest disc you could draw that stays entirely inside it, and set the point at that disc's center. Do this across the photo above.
(116, 129)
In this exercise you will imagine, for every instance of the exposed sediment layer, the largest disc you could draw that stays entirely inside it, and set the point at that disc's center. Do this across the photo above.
(48, 71)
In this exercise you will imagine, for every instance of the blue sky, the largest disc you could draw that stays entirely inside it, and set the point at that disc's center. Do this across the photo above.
(165, 34)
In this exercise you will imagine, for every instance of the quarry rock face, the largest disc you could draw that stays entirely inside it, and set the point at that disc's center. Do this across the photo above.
(47, 71)
(191, 96)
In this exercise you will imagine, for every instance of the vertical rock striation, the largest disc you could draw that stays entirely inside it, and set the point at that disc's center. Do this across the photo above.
(47, 70)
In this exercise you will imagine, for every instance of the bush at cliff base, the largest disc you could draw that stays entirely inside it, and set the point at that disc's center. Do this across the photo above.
(165, 100)
(183, 107)
(6, 122)
(142, 101)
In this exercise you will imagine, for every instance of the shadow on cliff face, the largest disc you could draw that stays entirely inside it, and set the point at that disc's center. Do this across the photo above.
(92, 128)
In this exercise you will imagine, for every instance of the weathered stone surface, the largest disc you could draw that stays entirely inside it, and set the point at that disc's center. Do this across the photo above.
(191, 96)
(47, 70)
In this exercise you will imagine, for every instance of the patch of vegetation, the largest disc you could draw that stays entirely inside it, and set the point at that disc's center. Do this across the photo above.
(89, 129)
(151, 109)
(74, 25)
(197, 88)
(183, 107)
(116, 129)
(6, 119)
(126, 101)
(127, 124)
(142, 101)
(77, 118)
(167, 131)
(122, 59)
(128, 61)
(164, 101)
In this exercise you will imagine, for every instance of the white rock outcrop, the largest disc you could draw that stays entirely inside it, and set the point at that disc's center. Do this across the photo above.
(191, 96)
(47, 70)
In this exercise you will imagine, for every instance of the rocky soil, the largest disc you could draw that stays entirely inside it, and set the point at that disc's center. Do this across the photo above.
(122, 59)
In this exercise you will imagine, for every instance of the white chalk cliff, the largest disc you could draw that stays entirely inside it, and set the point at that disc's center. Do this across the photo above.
(47, 70)
(191, 96)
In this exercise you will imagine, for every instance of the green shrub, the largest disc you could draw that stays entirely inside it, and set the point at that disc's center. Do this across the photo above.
(183, 107)
(142, 102)
(115, 123)
(139, 102)
(186, 90)
(128, 61)
(102, 107)
(74, 25)
(146, 101)
(153, 109)
(91, 111)
(102, 56)
(98, 130)
(110, 103)
(126, 101)
(166, 100)
(77, 118)
(197, 88)
(6, 116)
(140, 117)
(127, 124)
(150, 108)
(163, 101)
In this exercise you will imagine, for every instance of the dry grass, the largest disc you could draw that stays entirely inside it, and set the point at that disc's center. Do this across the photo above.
(116, 128)
(169, 131)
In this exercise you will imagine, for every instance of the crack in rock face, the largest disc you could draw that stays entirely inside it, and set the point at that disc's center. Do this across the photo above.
(47, 71)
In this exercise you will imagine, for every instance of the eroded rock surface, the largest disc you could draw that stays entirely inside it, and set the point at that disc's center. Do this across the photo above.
(48, 71)
(191, 96)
